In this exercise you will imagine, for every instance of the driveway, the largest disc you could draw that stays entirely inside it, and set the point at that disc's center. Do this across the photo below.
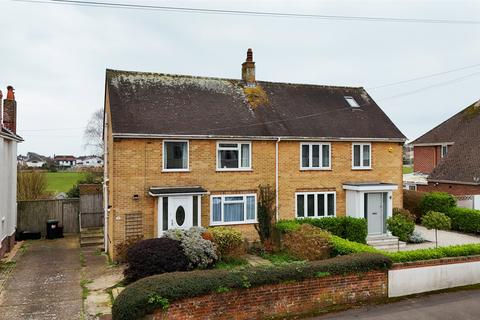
(445, 238)
(441, 306)
(45, 283)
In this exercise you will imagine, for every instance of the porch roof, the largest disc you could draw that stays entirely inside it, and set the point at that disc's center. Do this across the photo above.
(169, 191)
(369, 186)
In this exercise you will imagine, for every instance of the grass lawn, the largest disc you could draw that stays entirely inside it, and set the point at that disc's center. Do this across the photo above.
(407, 169)
(62, 181)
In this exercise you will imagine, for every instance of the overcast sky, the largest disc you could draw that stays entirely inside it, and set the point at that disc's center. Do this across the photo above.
(56, 55)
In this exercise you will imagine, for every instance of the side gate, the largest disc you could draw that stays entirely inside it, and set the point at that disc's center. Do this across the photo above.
(91, 206)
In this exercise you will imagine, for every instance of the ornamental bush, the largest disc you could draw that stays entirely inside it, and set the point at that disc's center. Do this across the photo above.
(158, 291)
(401, 227)
(437, 221)
(200, 252)
(154, 256)
(340, 247)
(437, 201)
(307, 243)
(404, 213)
(465, 220)
(229, 241)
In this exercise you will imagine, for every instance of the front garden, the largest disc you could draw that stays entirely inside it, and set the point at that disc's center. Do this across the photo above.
(186, 264)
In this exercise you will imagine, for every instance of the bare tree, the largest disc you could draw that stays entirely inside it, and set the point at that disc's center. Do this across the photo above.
(93, 135)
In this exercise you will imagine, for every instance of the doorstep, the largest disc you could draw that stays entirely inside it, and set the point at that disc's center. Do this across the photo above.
(385, 242)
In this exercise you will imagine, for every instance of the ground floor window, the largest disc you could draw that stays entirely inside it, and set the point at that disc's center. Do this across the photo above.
(233, 209)
(315, 204)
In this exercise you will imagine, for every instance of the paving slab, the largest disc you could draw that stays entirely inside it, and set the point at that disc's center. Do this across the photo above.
(445, 239)
(45, 282)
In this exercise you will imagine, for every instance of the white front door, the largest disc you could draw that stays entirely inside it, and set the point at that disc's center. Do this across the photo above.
(375, 213)
(180, 212)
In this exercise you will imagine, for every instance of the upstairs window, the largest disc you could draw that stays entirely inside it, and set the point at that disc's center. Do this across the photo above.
(361, 156)
(233, 156)
(352, 102)
(444, 150)
(315, 156)
(175, 155)
(315, 204)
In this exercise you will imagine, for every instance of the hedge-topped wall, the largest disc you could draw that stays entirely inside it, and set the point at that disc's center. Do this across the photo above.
(304, 297)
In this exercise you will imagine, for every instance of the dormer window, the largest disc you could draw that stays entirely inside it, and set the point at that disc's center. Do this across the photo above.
(352, 102)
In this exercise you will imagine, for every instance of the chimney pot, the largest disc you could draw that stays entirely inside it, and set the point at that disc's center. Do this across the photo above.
(248, 69)
(10, 93)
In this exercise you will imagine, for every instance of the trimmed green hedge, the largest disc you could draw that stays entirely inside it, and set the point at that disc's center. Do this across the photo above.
(149, 294)
(437, 201)
(342, 247)
(353, 229)
(465, 220)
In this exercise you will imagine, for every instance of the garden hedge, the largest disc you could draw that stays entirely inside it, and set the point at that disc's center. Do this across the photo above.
(437, 201)
(353, 229)
(464, 220)
(149, 294)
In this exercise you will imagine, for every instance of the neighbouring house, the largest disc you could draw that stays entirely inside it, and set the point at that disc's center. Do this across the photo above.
(34, 160)
(89, 161)
(450, 154)
(64, 161)
(185, 151)
(411, 181)
(8, 170)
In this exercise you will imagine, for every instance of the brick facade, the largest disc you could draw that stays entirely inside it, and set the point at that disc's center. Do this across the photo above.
(452, 188)
(304, 297)
(425, 158)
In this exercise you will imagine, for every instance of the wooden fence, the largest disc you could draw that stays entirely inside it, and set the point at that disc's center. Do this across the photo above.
(33, 215)
(91, 210)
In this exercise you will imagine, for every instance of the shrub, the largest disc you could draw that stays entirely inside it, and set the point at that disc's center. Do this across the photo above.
(340, 247)
(229, 241)
(307, 243)
(136, 300)
(416, 237)
(437, 221)
(122, 248)
(31, 185)
(154, 256)
(404, 213)
(200, 252)
(354, 229)
(437, 201)
(401, 227)
(442, 252)
(465, 220)
(265, 212)
(411, 202)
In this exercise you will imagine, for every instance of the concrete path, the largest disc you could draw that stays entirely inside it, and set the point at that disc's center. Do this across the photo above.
(441, 306)
(445, 238)
(45, 283)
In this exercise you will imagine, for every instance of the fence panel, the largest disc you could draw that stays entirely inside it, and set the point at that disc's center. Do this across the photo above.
(33, 215)
(91, 210)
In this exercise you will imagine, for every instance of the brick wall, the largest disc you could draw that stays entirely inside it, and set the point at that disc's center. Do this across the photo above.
(425, 158)
(452, 188)
(304, 297)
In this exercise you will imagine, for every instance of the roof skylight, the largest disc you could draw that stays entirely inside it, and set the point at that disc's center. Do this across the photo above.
(352, 102)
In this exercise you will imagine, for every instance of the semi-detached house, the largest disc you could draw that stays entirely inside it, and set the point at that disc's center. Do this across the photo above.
(185, 151)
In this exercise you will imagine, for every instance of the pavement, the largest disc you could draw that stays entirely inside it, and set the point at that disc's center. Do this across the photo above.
(441, 306)
(445, 238)
(45, 282)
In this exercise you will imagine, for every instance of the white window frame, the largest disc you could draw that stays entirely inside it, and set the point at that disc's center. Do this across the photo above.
(361, 167)
(239, 149)
(442, 153)
(164, 158)
(310, 155)
(315, 203)
(351, 102)
(223, 196)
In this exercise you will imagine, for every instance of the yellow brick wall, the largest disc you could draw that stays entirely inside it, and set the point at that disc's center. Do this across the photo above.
(137, 166)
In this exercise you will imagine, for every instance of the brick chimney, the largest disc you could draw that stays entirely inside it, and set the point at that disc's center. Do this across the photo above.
(248, 69)
(10, 111)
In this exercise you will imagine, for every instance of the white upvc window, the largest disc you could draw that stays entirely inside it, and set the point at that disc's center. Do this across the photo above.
(233, 209)
(315, 156)
(315, 204)
(444, 150)
(361, 156)
(234, 156)
(175, 155)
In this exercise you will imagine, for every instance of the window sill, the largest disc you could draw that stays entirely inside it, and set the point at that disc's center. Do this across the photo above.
(315, 169)
(316, 217)
(217, 224)
(234, 170)
(175, 170)
(362, 168)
